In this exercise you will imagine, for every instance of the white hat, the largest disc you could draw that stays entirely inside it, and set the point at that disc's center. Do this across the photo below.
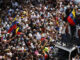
(54, 13)
(68, 6)
(70, 2)
(76, 6)
(30, 35)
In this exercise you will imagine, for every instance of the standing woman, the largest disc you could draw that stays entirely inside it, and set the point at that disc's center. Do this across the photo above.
(63, 33)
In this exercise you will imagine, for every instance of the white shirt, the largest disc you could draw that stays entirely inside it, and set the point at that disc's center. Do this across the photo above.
(10, 54)
(38, 36)
(25, 19)
(60, 29)
(15, 4)
(63, 30)
(32, 45)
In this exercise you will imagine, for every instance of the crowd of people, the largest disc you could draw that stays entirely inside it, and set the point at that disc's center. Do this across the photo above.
(42, 25)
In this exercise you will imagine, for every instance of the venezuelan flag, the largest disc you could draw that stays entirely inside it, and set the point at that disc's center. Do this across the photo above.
(18, 31)
(13, 26)
(71, 18)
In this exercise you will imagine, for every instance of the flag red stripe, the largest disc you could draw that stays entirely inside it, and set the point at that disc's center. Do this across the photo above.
(18, 33)
(70, 20)
(13, 27)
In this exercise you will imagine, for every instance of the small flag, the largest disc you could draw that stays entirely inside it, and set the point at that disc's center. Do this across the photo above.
(13, 26)
(71, 18)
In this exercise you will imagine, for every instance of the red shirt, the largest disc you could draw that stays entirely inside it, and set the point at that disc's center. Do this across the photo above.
(42, 39)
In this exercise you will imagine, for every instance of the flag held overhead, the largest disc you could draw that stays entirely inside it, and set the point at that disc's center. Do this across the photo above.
(13, 26)
(71, 18)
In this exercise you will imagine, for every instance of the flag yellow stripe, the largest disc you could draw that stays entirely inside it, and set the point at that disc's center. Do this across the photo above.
(73, 12)
(17, 29)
